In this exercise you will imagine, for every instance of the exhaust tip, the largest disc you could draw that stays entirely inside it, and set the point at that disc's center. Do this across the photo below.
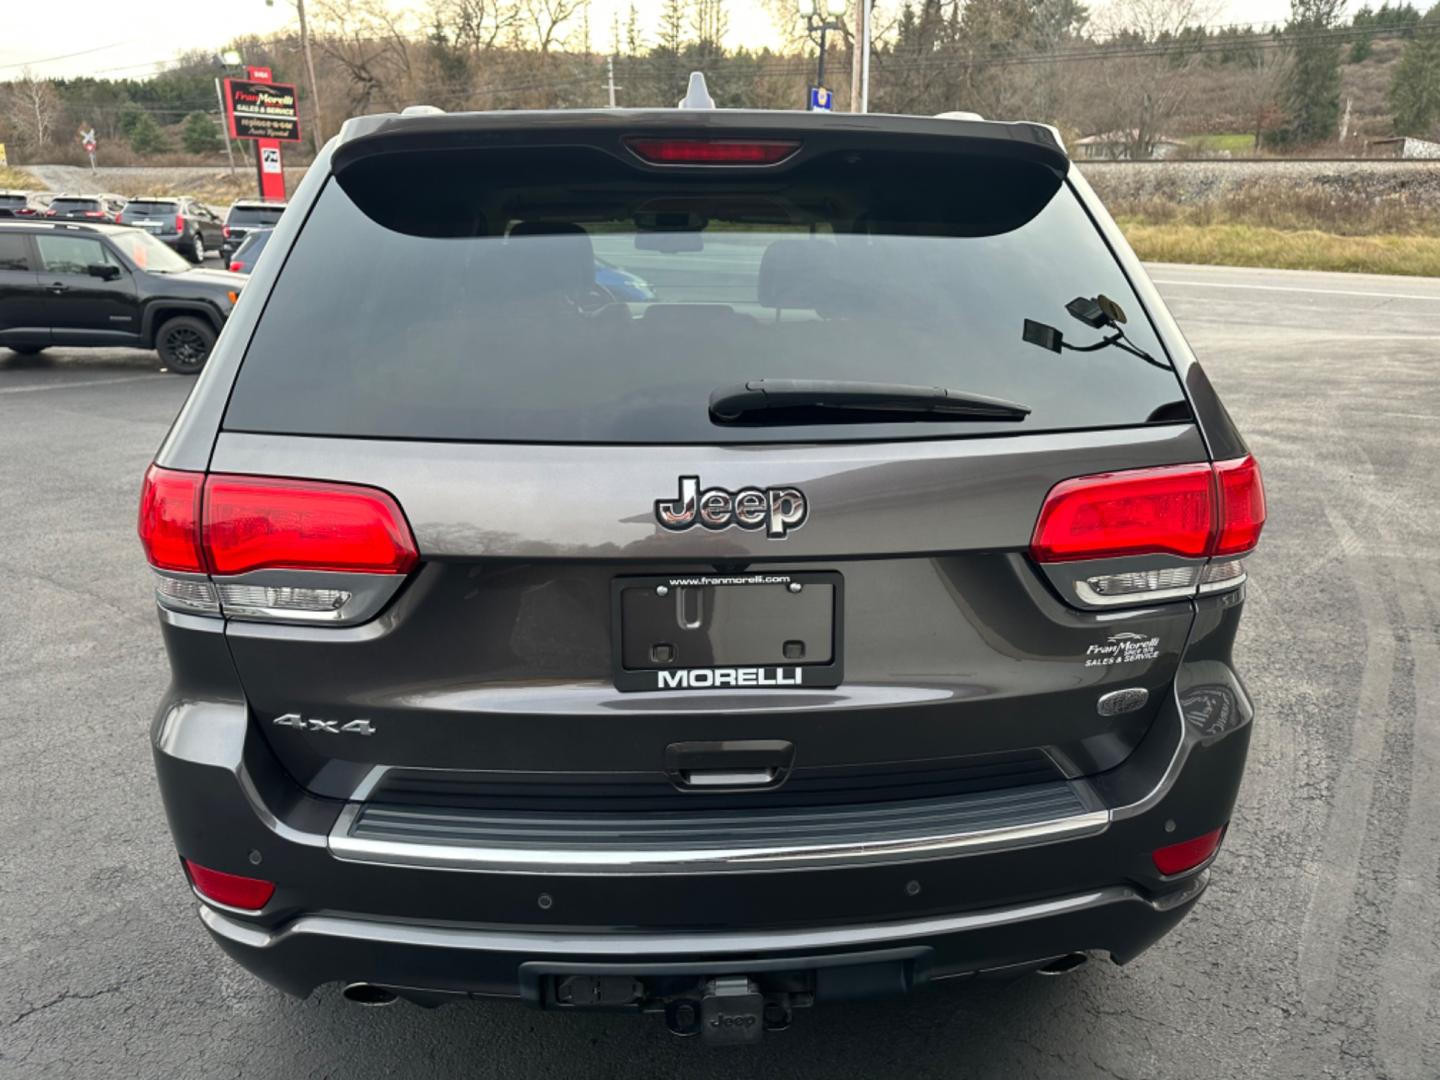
(1061, 965)
(369, 995)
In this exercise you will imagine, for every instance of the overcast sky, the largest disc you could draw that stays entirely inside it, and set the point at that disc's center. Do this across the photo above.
(90, 40)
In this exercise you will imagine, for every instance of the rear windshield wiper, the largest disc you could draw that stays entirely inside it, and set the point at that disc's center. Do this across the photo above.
(833, 401)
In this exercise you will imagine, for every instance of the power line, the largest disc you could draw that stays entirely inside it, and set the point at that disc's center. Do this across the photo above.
(68, 56)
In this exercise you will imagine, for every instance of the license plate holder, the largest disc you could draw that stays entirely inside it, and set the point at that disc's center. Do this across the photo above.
(748, 631)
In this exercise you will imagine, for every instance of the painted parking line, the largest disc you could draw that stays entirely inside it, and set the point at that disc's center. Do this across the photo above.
(72, 385)
(1434, 299)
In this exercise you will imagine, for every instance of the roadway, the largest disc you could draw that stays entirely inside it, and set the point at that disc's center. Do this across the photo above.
(1314, 954)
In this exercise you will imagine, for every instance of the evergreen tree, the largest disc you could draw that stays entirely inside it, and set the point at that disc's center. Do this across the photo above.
(146, 137)
(1415, 91)
(199, 135)
(1312, 90)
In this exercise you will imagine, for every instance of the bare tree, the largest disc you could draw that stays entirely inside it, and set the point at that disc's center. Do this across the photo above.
(33, 108)
(372, 45)
(1137, 92)
(547, 19)
(476, 25)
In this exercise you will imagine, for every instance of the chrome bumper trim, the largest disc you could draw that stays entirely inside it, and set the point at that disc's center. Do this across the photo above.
(649, 861)
(668, 946)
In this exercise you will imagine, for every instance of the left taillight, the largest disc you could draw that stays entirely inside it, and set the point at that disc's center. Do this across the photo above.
(170, 519)
(256, 523)
(267, 548)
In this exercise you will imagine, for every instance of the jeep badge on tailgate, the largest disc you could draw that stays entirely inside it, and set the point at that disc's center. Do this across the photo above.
(776, 510)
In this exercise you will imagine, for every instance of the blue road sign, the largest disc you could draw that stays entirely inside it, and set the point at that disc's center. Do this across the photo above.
(821, 99)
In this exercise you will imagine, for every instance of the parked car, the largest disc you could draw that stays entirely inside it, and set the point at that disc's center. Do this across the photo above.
(622, 284)
(86, 207)
(107, 285)
(182, 223)
(856, 614)
(243, 261)
(15, 204)
(244, 215)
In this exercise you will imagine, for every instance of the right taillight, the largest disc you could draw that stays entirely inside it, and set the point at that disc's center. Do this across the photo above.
(1242, 506)
(1159, 523)
(263, 547)
(1164, 511)
(225, 231)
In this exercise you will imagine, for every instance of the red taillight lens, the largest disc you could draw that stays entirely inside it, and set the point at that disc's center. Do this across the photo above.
(50, 213)
(254, 523)
(1188, 510)
(1140, 512)
(1188, 854)
(712, 151)
(237, 268)
(179, 222)
(98, 214)
(1242, 506)
(170, 519)
(225, 231)
(249, 893)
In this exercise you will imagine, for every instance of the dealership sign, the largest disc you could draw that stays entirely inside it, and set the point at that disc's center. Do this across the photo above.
(261, 110)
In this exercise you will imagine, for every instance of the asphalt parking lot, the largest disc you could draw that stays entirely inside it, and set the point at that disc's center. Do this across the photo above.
(1316, 952)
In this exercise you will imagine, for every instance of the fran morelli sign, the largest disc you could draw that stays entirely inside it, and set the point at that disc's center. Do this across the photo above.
(259, 110)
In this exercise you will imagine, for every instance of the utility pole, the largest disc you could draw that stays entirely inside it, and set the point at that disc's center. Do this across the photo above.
(610, 78)
(855, 49)
(865, 6)
(225, 128)
(310, 70)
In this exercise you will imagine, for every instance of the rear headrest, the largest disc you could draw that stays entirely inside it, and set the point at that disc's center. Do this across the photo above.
(798, 274)
(548, 256)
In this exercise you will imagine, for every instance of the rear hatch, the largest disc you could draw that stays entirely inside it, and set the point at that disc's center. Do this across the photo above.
(241, 219)
(674, 546)
(159, 216)
(76, 208)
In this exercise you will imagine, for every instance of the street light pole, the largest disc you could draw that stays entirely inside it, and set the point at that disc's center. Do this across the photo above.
(823, 21)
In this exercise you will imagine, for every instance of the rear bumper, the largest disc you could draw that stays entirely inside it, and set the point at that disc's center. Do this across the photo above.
(457, 922)
(316, 949)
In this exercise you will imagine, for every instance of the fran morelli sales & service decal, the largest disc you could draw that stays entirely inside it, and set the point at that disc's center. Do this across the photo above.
(1125, 647)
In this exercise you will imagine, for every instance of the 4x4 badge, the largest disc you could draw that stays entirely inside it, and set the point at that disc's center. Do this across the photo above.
(330, 727)
(776, 510)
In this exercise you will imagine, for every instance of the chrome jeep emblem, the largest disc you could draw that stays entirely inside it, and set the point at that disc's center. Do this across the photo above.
(776, 510)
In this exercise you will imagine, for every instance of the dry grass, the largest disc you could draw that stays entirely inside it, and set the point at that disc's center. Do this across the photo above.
(1289, 207)
(18, 178)
(1284, 249)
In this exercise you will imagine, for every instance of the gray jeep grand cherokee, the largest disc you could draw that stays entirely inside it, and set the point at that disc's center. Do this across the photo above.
(853, 613)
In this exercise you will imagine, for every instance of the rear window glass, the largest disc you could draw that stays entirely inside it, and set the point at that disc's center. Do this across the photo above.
(12, 202)
(493, 296)
(254, 215)
(145, 208)
(63, 205)
(253, 244)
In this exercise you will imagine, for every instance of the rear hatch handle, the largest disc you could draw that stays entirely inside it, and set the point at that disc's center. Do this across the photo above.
(729, 764)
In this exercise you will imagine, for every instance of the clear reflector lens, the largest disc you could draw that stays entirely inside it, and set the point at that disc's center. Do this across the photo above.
(1138, 585)
(181, 594)
(269, 601)
(1223, 575)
